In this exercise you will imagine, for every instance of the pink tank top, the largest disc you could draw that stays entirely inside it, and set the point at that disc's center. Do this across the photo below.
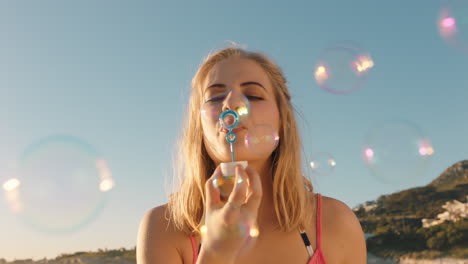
(317, 257)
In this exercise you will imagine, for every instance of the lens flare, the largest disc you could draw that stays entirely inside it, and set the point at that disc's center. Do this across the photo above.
(452, 24)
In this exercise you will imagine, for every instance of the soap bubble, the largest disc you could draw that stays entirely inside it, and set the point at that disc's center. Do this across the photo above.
(397, 152)
(261, 140)
(212, 108)
(60, 185)
(342, 68)
(245, 226)
(322, 163)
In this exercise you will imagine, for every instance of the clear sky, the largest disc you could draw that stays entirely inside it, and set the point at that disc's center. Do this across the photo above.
(116, 74)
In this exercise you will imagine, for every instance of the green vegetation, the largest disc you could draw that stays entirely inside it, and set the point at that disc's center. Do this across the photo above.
(129, 254)
(396, 221)
(420, 202)
(449, 239)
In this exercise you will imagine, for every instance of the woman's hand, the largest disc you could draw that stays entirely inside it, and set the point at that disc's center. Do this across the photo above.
(231, 225)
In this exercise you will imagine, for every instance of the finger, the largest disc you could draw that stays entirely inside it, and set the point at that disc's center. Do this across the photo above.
(255, 190)
(237, 196)
(212, 193)
(249, 188)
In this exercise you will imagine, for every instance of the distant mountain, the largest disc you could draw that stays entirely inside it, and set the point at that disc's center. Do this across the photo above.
(420, 202)
(396, 219)
(114, 256)
(456, 174)
(454, 177)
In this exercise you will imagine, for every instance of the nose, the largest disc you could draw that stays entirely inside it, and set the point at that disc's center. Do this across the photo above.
(231, 101)
(235, 101)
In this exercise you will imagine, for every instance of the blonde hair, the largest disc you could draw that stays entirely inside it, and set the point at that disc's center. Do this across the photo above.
(194, 166)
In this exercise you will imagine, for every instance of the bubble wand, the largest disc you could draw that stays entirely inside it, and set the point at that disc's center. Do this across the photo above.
(230, 136)
(229, 119)
(228, 168)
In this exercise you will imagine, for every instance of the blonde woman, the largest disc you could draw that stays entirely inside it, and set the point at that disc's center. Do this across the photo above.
(295, 225)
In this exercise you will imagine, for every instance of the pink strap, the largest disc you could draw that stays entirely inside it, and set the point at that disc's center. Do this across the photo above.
(194, 249)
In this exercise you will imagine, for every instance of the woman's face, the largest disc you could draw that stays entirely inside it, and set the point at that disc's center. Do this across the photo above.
(235, 79)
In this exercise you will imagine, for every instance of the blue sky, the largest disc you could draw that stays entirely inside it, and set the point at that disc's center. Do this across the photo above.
(116, 74)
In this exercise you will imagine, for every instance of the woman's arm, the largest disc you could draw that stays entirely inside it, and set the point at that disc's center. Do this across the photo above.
(356, 251)
(156, 239)
(344, 235)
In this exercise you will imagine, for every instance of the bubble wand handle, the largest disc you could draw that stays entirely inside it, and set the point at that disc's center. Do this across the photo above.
(232, 152)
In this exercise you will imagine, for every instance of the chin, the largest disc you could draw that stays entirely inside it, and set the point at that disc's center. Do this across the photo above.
(223, 155)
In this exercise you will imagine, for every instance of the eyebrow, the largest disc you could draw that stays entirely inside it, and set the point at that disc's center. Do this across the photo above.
(220, 85)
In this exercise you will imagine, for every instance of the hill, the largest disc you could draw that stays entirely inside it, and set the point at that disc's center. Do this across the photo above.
(396, 219)
(115, 256)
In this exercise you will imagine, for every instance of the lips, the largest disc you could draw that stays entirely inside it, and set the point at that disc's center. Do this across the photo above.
(235, 130)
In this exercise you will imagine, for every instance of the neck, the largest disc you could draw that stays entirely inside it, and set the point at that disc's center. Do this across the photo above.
(266, 213)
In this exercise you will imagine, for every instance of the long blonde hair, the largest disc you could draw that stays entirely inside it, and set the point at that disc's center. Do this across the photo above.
(194, 166)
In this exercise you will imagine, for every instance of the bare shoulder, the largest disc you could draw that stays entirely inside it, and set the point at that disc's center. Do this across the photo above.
(343, 236)
(338, 213)
(158, 240)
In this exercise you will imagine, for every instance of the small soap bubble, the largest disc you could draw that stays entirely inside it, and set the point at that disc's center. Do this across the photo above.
(261, 140)
(247, 228)
(322, 163)
(342, 68)
(60, 184)
(397, 152)
(215, 102)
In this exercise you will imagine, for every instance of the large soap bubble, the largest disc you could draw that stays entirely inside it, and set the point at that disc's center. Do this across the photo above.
(342, 68)
(60, 184)
(397, 152)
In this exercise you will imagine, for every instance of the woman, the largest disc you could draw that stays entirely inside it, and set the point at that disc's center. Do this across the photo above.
(294, 224)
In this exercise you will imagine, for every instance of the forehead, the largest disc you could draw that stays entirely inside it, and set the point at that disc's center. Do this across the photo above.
(237, 70)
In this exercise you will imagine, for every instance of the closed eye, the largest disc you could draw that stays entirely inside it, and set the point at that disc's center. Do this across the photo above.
(254, 98)
(216, 99)
(220, 98)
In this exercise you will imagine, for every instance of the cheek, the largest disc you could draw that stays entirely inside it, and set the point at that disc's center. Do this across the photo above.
(274, 119)
(270, 115)
(209, 130)
(275, 115)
